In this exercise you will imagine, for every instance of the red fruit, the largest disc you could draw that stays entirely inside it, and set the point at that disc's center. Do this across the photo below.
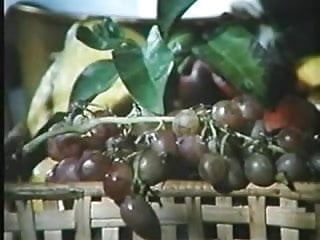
(65, 171)
(292, 111)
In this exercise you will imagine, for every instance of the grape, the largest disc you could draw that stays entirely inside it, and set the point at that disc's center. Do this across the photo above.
(151, 167)
(191, 149)
(228, 113)
(117, 181)
(249, 106)
(293, 166)
(165, 142)
(314, 164)
(186, 122)
(65, 146)
(140, 217)
(93, 166)
(213, 167)
(103, 131)
(65, 171)
(122, 145)
(259, 169)
(291, 139)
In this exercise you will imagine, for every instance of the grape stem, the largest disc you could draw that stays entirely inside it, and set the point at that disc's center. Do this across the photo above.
(91, 123)
(86, 126)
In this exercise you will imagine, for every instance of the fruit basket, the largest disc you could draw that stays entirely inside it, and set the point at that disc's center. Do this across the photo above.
(253, 213)
(184, 134)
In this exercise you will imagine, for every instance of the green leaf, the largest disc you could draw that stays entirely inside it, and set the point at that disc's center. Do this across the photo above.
(145, 70)
(230, 53)
(96, 78)
(104, 35)
(55, 118)
(168, 12)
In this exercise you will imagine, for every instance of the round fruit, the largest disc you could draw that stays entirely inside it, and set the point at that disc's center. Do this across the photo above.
(65, 146)
(191, 149)
(293, 166)
(213, 167)
(314, 164)
(198, 87)
(227, 90)
(103, 131)
(259, 169)
(151, 167)
(291, 139)
(117, 181)
(140, 217)
(165, 142)
(123, 145)
(186, 122)
(93, 166)
(65, 171)
(288, 114)
(258, 129)
(250, 107)
(227, 113)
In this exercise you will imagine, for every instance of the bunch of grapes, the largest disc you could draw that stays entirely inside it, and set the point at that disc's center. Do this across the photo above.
(228, 145)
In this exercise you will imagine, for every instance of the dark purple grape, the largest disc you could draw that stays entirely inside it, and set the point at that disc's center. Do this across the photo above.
(250, 107)
(213, 167)
(104, 131)
(294, 167)
(165, 142)
(151, 167)
(191, 149)
(258, 129)
(122, 145)
(65, 146)
(227, 113)
(186, 122)
(314, 164)
(93, 166)
(65, 171)
(291, 139)
(140, 217)
(259, 169)
(117, 181)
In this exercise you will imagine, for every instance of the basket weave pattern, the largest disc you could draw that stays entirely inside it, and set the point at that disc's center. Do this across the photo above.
(189, 204)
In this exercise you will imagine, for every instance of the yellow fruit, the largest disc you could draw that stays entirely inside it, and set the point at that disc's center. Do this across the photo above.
(308, 73)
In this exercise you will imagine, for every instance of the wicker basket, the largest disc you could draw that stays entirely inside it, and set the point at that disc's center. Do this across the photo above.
(191, 210)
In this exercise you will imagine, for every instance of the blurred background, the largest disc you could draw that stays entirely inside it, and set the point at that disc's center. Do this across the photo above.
(35, 29)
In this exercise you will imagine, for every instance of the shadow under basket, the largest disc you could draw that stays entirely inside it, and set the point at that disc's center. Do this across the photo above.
(191, 210)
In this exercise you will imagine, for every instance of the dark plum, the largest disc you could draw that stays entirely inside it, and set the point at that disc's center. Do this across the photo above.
(140, 217)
